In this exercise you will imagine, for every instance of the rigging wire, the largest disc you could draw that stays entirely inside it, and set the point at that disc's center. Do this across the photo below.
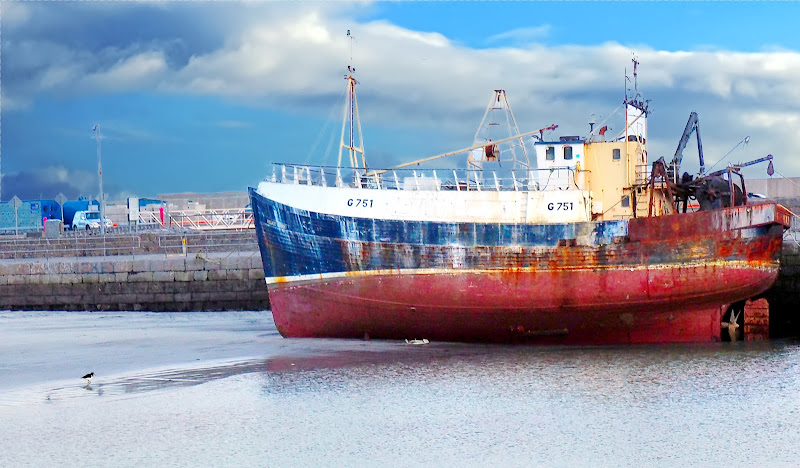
(600, 125)
(328, 149)
(746, 140)
(335, 106)
(790, 181)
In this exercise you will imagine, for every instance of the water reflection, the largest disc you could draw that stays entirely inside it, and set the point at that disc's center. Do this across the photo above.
(643, 373)
(564, 406)
(322, 403)
(632, 374)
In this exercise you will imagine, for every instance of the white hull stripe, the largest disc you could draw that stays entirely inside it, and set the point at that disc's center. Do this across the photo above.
(452, 272)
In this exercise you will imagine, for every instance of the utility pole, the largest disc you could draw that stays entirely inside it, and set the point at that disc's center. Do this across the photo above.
(96, 130)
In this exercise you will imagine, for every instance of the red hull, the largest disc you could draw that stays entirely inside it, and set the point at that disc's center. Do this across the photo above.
(573, 306)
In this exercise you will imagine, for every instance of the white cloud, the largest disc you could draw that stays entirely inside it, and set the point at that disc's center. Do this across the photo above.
(84, 181)
(233, 124)
(14, 14)
(522, 35)
(49, 180)
(8, 103)
(765, 120)
(135, 72)
(59, 75)
(414, 79)
(388, 31)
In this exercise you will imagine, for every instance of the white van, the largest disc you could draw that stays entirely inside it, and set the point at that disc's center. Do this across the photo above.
(88, 220)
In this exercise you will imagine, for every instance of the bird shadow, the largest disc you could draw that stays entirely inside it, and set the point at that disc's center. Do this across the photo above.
(98, 389)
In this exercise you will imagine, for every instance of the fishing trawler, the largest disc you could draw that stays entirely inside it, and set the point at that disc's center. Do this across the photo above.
(583, 242)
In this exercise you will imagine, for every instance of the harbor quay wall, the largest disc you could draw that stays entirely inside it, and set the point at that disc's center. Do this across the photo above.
(149, 272)
(210, 282)
(784, 320)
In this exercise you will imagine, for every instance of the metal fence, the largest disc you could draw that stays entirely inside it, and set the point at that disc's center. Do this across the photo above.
(236, 218)
(77, 246)
(166, 242)
(193, 243)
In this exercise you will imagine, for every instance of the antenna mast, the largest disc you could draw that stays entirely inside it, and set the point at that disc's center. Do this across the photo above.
(636, 108)
(351, 122)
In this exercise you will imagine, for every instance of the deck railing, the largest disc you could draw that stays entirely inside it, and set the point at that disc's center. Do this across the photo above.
(558, 178)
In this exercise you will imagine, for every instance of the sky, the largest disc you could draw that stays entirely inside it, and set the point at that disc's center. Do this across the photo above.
(205, 96)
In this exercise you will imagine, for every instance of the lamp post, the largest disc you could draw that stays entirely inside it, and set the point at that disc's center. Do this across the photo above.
(96, 130)
(61, 198)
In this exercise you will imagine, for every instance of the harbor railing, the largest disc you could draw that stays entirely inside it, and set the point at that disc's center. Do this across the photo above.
(239, 218)
(168, 242)
(74, 246)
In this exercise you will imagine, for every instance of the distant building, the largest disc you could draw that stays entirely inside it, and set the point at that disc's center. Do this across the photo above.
(29, 217)
(788, 187)
(205, 201)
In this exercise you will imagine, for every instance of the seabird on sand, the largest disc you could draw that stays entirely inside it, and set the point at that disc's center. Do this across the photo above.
(88, 377)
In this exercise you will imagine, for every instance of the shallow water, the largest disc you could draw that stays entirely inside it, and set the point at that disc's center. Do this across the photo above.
(222, 389)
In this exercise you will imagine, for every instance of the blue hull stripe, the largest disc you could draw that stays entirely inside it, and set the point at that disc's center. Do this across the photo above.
(297, 242)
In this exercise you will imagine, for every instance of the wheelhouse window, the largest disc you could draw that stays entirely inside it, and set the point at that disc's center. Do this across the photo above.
(567, 153)
(615, 155)
(550, 154)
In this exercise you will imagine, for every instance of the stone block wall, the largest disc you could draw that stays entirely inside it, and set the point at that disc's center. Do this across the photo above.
(783, 297)
(756, 320)
(154, 282)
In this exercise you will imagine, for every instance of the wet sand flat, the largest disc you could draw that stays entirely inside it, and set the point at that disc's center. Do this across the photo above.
(224, 389)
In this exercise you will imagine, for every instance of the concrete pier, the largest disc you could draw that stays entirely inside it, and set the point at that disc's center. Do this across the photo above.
(151, 271)
(214, 281)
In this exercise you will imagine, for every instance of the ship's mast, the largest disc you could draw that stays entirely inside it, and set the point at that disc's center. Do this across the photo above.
(497, 110)
(351, 124)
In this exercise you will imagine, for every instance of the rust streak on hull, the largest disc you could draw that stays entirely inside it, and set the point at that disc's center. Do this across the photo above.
(565, 307)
